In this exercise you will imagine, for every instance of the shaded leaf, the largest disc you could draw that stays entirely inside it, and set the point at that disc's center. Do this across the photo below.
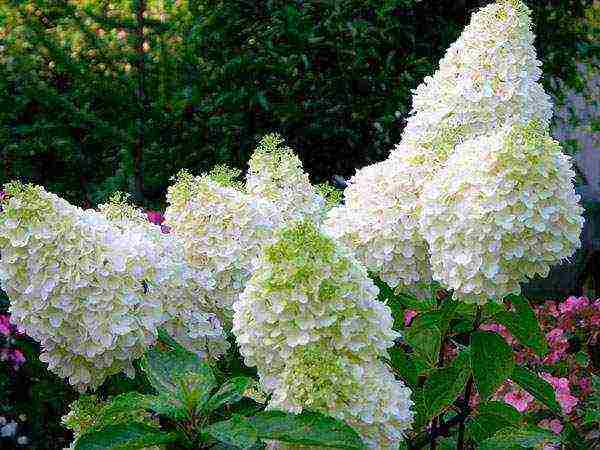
(237, 431)
(444, 385)
(124, 436)
(536, 386)
(525, 437)
(491, 417)
(425, 338)
(404, 365)
(230, 392)
(306, 428)
(492, 361)
(179, 373)
(523, 325)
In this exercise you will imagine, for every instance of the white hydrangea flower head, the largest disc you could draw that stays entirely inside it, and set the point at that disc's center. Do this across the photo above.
(171, 280)
(74, 281)
(378, 222)
(310, 321)
(222, 230)
(275, 173)
(502, 210)
(488, 77)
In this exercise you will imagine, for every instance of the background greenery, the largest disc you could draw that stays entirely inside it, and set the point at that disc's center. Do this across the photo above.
(99, 95)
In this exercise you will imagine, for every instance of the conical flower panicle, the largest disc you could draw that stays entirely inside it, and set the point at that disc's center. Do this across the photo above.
(310, 322)
(222, 230)
(501, 211)
(379, 224)
(488, 77)
(170, 279)
(275, 173)
(74, 282)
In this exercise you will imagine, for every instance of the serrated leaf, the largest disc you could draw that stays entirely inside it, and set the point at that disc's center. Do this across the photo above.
(425, 338)
(405, 366)
(536, 386)
(443, 386)
(124, 436)
(492, 361)
(306, 428)
(491, 417)
(230, 392)
(524, 437)
(237, 431)
(179, 373)
(523, 325)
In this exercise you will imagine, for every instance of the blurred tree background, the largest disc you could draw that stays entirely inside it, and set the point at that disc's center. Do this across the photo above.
(100, 95)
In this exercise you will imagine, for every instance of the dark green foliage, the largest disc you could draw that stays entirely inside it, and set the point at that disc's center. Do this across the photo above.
(89, 117)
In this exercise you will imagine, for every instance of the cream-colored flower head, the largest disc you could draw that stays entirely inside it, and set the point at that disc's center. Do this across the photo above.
(275, 173)
(222, 230)
(488, 77)
(310, 321)
(501, 211)
(74, 280)
(170, 279)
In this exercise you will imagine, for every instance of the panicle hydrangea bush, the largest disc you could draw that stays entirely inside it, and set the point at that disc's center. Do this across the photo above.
(488, 77)
(502, 210)
(275, 173)
(310, 321)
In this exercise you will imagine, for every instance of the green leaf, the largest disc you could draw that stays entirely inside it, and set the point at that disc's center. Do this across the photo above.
(444, 385)
(180, 374)
(523, 325)
(491, 417)
(124, 436)
(123, 406)
(237, 431)
(492, 361)
(231, 392)
(402, 362)
(524, 437)
(307, 428)
(536, 386)
(425, 338)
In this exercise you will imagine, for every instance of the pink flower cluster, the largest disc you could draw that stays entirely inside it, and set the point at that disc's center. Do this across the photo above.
(575, 318)
(157, 218)
(563, 392)
(9, 354)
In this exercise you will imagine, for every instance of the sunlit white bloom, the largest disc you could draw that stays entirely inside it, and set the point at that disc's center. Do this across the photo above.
(310, 321)
(75, 285)
(222, 230)
(170, 279)
(501, 211)
(275, 173)
(488, 77)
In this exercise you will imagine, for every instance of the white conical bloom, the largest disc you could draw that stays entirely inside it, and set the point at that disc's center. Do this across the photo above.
(488, 77)
(170, 280)
(378, 222)
(310, 321)
(502, 210)
(275, 173)
(222, 230)
(75, 285)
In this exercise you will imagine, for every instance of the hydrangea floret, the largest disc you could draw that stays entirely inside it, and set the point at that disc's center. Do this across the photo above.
(310, 321)
(502, 210)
